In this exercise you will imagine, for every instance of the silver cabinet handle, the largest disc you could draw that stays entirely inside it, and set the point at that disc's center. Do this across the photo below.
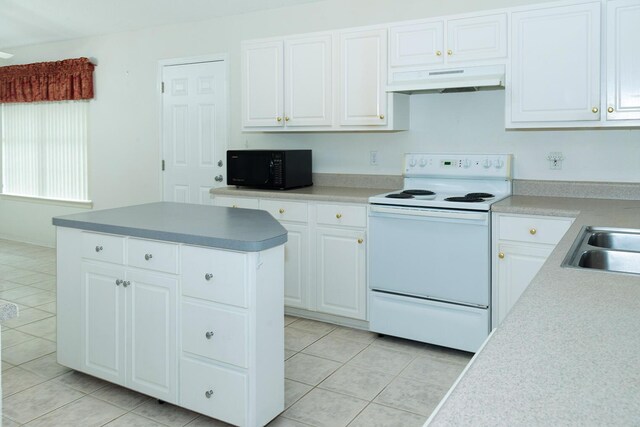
(148, 256)
(208, 394)
(118, 282)
(220, 163)
(208, 276)
(99, 248)
(209, 335)
(126, 283)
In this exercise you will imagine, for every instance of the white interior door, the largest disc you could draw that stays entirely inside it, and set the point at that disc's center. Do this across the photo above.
(194, 130)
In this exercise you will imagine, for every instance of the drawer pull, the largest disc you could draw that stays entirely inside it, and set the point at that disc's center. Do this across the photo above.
(208, 394)
(118, 282)
(208, 276)
(209, 335)
(126, 283)
(148, 256)
(281, 210)
(533, 231)
(99, 248)
(360, 241)
(501, 255)
(338, 216)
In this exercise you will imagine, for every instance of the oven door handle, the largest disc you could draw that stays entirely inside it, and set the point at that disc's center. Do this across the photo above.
(430, 213)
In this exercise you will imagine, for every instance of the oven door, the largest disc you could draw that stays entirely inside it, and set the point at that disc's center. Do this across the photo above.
(430, 253)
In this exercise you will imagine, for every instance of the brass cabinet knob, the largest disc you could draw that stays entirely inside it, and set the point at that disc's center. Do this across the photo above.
(595, 109)
(286, 118)
(449, 52)
(281, 210)
(610, 109)
(501, 255)
(338, 215)
(360, 241)
(533, 231)
(438, 53)
(381, 116)
(279, 119)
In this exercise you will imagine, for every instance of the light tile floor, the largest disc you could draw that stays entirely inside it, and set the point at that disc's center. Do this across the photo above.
(335, 376)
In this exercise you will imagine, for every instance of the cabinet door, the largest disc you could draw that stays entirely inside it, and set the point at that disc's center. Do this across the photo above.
(236, 202)
(151, 341)
(341, 283)
(555, 71)
(416, 44)
(296, 266)
(308, 82)
(478, 38)
(363, 100)
(262, 78)
(623, 60)
(103, 322)
(517, 265)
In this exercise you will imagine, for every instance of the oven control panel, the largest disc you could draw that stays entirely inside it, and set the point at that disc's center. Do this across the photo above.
(458, 165)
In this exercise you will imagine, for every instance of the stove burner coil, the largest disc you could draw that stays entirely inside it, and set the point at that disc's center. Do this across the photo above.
(464, 199)
(479, 195)
(419, 192)
(399, 196)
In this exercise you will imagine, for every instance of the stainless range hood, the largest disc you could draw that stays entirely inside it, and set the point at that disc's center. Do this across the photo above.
(447, 80)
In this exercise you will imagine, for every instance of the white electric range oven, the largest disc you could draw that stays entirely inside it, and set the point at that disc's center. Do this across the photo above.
(429, 249)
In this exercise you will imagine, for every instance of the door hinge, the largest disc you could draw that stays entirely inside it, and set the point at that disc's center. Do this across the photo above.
(162, 90)
(163, 165)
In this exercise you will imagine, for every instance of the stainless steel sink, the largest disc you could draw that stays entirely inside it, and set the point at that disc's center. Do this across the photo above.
(608, 249)
(618, 261)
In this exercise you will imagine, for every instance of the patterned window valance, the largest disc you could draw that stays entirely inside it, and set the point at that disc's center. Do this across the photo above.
(71, 79)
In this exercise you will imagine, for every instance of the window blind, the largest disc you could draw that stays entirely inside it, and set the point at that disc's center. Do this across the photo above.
(44, 150)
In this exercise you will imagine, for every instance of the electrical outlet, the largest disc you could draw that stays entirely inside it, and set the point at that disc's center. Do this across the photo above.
(555, 160)
(373, 158)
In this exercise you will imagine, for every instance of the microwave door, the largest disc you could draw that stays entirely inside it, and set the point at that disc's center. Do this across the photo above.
(250, 169)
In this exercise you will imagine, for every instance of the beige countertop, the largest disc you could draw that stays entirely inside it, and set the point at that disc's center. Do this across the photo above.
(315, 192)
(567, 353)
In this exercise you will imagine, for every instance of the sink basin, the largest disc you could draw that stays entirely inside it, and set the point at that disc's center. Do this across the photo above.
(619, 261)
(614, 250)
(615, 240)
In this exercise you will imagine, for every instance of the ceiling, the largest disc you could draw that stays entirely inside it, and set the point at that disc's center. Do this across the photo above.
(26, 22)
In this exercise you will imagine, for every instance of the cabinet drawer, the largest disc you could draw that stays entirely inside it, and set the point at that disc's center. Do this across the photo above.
(214, 391)
(351, 216)
(103, 247)
(236, 202)
(214, 332)
(285, 210)
(533, 229)
(214, 275)
(153, 255)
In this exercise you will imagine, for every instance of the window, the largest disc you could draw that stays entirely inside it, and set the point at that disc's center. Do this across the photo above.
(44, 150)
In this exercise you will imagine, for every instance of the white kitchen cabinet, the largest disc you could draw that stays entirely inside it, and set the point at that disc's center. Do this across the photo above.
(363, 67)
(468, 40)
(263, 84)
(296, 266)
(521, 245)
(341, 269)
(555, 66)
(623, 60)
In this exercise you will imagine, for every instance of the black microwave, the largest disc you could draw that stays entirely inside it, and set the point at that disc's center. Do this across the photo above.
(275, 169)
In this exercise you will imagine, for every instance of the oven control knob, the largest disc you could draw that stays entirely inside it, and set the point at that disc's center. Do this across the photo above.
(423, 162)
(466, 163)
(498, 163)
(486, 164)
(412, 162)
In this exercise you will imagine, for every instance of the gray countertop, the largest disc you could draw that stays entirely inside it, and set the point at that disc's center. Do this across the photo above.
(8, 310)
(315, 192)
(567, 353)
(226, 228)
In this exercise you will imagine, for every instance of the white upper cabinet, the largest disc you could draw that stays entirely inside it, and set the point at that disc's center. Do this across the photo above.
(263, 94)
(468, 40)
(555, 66)
(623, 60)
(308, 81)
(363, 65)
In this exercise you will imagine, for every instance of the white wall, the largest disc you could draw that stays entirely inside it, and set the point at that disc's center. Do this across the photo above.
(124, 134)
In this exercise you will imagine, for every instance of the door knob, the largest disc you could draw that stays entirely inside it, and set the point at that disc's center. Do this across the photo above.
(218, 178)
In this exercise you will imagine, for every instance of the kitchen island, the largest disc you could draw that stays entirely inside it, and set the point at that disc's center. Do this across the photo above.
(180, 302)
(566, 354)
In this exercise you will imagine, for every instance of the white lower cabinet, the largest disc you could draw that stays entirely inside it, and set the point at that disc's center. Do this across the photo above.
(325, 254)
(521, 245)
(209, 337)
